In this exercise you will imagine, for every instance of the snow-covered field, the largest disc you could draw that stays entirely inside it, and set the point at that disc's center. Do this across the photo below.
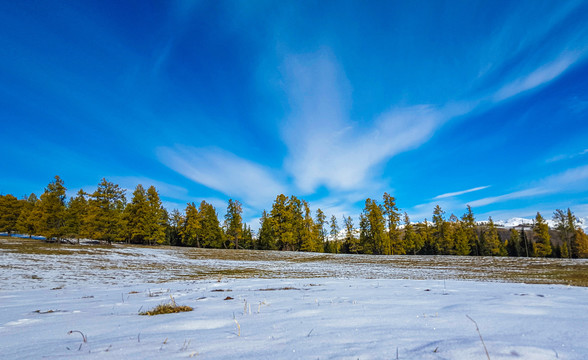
(45, 294)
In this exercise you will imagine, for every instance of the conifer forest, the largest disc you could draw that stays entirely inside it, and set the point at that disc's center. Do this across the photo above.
(107, 216)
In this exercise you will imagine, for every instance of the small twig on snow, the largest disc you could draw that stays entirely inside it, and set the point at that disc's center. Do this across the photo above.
(479, 333)
(81, 333)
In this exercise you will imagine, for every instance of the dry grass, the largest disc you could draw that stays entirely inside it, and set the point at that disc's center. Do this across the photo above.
(168, 308)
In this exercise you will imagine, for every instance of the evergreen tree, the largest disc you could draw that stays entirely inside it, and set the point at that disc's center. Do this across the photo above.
(334, 235)
(104, 218)
(442, 233)
(526, 244)
(296, 218)
(581, 243)
(565, 228)
(24, 223)
(265, 236)
(308, 237)
(320, 231)
(351, 242)
(190, 229)
(234, 222)
(469, 225)
(173, 231)
(75, 214)
(247, 238)
(514, 247)
(373, 236)
(542, 237)
(210, 231)
(156, 218)
(282, 224)
(461, 239)
(136, 217)
(393, 219)
(424, 232)
(10, 208)
(411, 238)
(53, 210)
(490, 243)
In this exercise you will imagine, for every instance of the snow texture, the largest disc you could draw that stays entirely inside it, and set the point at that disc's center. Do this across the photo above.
(49, 304)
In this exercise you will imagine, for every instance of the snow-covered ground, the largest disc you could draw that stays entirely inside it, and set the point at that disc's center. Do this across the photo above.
(272, 318)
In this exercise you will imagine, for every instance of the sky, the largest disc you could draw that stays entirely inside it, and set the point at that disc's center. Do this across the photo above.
(455, 103)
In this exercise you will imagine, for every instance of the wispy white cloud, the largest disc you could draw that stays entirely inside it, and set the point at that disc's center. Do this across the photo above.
(567, 156)
(225, 172)
(537, 77)
(568, 181)
(325, 147)
(457, 193)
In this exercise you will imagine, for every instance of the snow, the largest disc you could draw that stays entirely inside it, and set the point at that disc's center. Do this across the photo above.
(528, 223)
(43, 298)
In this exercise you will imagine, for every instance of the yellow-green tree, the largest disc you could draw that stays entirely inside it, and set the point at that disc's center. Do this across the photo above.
(541, 236)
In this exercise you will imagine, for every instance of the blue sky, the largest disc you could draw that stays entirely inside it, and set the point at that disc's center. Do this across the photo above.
(451, 103)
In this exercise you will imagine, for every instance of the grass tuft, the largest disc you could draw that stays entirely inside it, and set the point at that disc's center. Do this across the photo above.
(169, 308)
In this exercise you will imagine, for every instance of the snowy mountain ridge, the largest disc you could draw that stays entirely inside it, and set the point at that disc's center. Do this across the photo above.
(518, 221)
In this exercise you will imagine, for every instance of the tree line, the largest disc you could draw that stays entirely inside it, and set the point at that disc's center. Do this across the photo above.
(106, 215)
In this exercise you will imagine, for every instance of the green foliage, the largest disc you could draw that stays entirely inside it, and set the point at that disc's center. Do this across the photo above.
(266, 236)
(373, 237)
(490, 243)
(10, 208)
(104, 215)
(104, 219)
(51, 223)
(75, 214)
(397, 246)
(541, 237)
(24, 223)
(234, 222)
(513, 246)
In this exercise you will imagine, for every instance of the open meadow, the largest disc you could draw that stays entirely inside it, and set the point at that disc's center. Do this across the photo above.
(84, 301)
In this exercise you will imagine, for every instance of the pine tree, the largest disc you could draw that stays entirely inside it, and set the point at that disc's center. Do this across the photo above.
(541, 237)
(75, 214)
(190, 229)
(320, 232)
(156, 218)
(210, 232)
(53, 210)
(136, 217)
(173, 232)
(490, 243)
(442, 233)
(424, 232)
(296, 218)
(469, 224)
(565, 226)
(373, 236)
(461, 239)
(351, 242)
(334, 235)
(234, 222)
(10, 208)
(581, 243)
(105, 212)
(282, 223)
(411, 238)
(393, 219)
(514, 247)
(265, 236)
(23, 223)
(308, 238)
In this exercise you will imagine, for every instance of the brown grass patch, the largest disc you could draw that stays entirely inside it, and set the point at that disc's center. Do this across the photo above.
(169, 308)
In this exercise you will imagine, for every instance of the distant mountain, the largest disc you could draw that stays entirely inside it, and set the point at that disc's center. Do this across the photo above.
(519, 222)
